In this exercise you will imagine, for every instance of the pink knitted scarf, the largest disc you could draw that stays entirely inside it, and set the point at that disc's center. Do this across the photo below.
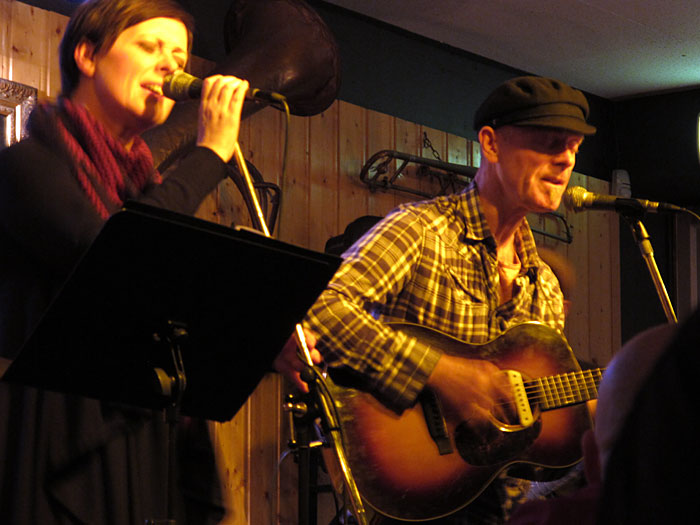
(106, 171)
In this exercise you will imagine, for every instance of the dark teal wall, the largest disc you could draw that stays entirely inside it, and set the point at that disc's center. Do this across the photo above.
(395, 72)
(657, 144)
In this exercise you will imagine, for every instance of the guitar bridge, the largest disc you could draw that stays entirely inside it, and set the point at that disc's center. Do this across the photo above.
(522, 403)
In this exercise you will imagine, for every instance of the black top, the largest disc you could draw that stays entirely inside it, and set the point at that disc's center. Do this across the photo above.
(68, 459)
(47, 223)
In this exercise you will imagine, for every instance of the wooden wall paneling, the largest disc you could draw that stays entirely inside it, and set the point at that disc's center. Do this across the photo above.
(231, 443)
(226, 203)
(265, 143)
(380, 135)
(615, 289)
(323, 175)
(408, 140)
(55, 26)
(541, 223)
(288, 481)
(6, 38)
(577, 324)
(436, 148)
(248, 446)
(457, 149)
(294, 227)
(231, 440)
(30, 47)
(264, 149)
(475, 159)
(265, 417)
(686, 232)
(264, 146)
(353, 194)
(600, 280)
(295, 210)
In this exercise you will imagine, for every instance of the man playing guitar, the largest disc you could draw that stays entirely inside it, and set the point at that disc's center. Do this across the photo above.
(465, 265)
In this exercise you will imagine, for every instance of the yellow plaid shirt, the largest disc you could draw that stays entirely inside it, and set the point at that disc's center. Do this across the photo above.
(431, 263)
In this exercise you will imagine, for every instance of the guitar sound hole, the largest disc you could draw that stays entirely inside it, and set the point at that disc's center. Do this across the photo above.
(479, 444)
(483, 444)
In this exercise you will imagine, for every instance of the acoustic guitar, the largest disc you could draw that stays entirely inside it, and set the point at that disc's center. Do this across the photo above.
(427, 463)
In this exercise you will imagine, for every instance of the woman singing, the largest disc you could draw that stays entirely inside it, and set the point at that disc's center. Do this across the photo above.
(66, 459)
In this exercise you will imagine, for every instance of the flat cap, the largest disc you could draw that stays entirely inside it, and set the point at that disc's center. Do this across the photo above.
(535, 101)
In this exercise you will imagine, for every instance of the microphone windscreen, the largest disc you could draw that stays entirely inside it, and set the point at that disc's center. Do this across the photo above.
(573, 198)
(182, 86)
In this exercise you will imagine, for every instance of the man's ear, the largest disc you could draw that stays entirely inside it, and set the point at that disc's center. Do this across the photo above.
(489, 144)
(84, 56)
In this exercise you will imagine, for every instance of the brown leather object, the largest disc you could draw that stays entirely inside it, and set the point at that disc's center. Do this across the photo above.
(277, 45)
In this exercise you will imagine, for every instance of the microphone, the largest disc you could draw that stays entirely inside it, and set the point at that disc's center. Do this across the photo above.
(578, 199)
(183, 86)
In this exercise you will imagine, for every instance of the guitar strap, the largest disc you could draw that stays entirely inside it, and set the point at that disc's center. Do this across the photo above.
(435, 420)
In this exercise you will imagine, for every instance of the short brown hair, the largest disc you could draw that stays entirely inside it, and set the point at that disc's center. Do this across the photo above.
(100, 22)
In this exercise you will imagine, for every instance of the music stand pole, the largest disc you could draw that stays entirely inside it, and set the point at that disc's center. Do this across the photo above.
(324, 402)
(641, 237)
(172, 387)
(303, 412)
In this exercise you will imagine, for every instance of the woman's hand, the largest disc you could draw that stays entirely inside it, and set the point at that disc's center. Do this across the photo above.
(220, 114)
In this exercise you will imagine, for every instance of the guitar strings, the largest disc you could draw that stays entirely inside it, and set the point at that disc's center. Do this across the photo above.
(562, 389)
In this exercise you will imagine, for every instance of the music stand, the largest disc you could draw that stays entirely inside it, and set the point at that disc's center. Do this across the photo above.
(159, 295)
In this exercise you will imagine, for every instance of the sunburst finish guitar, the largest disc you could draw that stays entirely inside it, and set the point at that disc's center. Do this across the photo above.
(426, 463)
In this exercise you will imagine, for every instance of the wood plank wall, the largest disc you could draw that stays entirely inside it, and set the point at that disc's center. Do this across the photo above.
(322, 193)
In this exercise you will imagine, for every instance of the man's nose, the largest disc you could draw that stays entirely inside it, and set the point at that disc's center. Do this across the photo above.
(567, 157)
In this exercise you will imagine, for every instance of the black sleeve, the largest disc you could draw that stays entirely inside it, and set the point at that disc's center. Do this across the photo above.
(188, 183)
(45, 212)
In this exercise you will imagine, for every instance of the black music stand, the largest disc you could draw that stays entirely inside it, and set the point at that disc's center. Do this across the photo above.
(165, 311)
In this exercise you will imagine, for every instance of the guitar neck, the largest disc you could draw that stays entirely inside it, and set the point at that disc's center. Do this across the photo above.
(561, 390)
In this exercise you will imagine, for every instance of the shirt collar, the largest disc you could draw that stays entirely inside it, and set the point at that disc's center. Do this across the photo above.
(476, 229)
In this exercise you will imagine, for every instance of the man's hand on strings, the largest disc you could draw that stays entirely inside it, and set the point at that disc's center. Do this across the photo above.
(290, 365)
(473, 389)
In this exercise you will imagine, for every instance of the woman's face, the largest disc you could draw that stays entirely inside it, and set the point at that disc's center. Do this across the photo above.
(128, 78)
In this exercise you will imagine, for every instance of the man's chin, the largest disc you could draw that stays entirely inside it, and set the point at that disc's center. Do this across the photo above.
(547, 207)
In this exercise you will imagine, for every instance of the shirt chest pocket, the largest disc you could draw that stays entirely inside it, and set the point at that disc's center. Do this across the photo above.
(465, 274)
(451, 294)
(454, 282)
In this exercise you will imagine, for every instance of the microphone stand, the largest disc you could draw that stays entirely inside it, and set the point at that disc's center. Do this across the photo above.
(323, 402)
(641, 237)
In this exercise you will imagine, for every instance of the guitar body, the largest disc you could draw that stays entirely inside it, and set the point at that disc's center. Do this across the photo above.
(396, 463)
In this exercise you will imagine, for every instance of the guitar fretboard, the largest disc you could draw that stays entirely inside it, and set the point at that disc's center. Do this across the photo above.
(557, 391)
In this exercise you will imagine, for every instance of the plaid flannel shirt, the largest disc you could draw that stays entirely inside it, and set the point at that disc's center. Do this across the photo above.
(431, 263)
